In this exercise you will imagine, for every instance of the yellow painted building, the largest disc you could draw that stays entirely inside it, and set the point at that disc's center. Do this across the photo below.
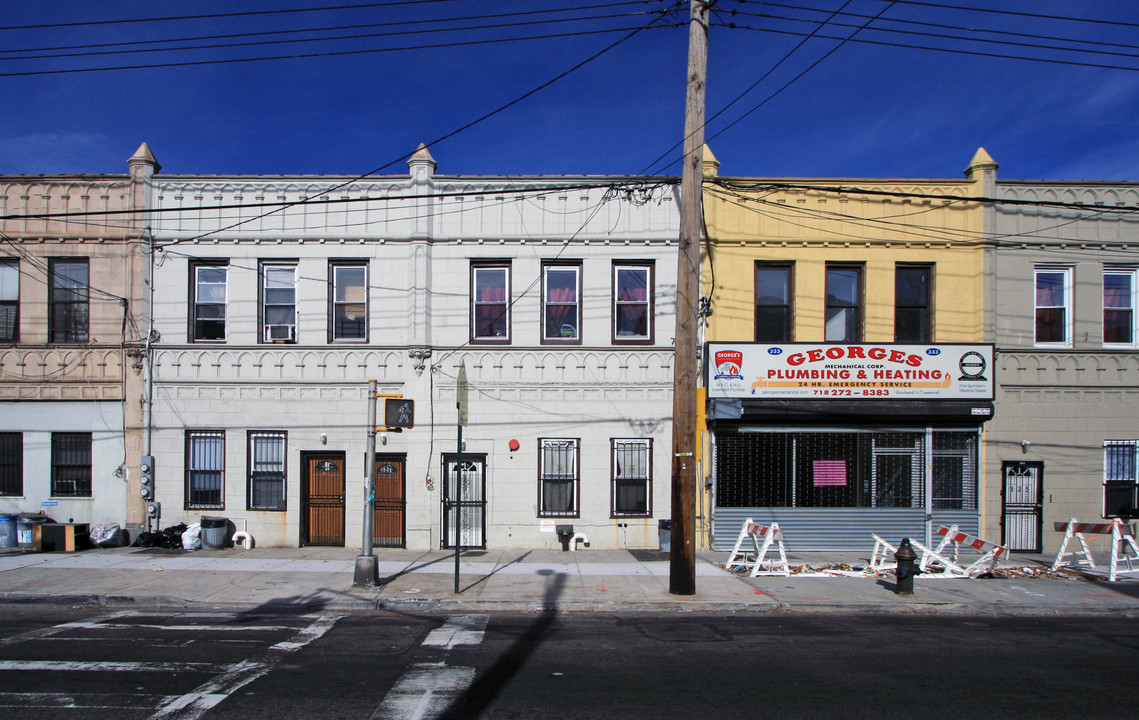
(842, 267)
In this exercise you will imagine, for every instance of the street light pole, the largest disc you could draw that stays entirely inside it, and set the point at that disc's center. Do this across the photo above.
(367, 573)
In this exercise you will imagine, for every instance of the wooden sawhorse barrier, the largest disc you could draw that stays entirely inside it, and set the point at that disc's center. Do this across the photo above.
(1123, 546)
(772, 537)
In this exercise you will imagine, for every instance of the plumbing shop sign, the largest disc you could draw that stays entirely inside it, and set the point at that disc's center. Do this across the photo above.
(808, 371)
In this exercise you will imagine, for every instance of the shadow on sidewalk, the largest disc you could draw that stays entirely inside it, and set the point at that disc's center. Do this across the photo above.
(486, 688)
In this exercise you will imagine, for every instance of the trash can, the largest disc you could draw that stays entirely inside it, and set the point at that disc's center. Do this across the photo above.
(7, 531)
(665, 529)
(25, 525)
(214, 532)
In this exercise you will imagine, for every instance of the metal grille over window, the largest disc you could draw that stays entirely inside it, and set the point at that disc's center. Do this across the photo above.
(205, 462)
(631, 477)
(1120, 482)
(845, 469)
(11, 464)
(267, 470)
(559, 478)
(71, 464)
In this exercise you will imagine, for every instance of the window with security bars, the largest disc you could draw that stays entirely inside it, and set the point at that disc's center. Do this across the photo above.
(954, 471)
(632, 478)
(205, 468)
(557, 477)
(11, 464)
(267, 470)
(844, 469)
(71, 464)
(1120, 483)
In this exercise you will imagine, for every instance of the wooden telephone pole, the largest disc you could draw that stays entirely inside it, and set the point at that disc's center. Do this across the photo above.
(682, 567)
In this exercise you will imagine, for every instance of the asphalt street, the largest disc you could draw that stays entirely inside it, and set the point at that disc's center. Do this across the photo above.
(124, 664)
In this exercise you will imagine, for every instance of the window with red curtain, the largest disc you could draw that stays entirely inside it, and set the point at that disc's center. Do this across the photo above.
(490, 302)
(632, 303)
(561, 311)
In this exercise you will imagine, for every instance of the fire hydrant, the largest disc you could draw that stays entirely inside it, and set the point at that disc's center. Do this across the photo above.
(905, 571)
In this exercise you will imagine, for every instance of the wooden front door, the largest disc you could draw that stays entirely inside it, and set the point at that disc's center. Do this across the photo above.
(323, 501)
(390, 504)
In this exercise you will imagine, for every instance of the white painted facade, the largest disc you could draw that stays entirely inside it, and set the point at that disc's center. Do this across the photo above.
(418, 237)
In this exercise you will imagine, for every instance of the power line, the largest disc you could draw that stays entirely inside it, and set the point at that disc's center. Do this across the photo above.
(354, 26)
(360, 36)
(1034, 46)
(336, 53)
(171, 18)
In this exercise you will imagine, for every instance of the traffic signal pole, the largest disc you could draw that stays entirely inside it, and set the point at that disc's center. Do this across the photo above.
(367, 572)
(682, 557)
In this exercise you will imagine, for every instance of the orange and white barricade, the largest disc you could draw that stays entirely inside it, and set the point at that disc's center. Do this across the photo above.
(1123, 546)
(761, 565)
(991, 553)
(883, 557)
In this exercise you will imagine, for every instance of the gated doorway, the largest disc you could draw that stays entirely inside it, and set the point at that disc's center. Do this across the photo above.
(464, 496)
(322, 498)
(1022, 506)
(389, 508)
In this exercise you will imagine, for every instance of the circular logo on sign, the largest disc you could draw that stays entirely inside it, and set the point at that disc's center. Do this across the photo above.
(972, 365)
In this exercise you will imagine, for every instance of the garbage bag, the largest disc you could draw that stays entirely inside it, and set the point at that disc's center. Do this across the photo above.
(171, 537)
(192, 537)
(146, 540)
(106, 536)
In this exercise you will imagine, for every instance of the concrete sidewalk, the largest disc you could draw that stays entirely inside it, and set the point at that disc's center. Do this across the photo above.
(532, 581)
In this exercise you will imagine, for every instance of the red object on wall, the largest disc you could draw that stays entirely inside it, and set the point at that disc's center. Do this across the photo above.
(513, 445)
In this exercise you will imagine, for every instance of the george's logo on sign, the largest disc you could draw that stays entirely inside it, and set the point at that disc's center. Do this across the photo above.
(728, 364)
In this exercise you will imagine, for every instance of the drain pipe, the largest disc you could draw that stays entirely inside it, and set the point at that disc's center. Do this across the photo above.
(575, 538)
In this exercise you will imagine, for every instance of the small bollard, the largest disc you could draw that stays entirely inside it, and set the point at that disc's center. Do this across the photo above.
(905, 571)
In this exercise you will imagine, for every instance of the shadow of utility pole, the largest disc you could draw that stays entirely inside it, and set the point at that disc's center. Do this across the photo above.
(485, 689)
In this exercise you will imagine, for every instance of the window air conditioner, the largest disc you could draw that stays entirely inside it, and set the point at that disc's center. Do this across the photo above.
(280, 333)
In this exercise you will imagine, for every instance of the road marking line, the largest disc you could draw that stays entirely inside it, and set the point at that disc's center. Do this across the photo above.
(109, 666)
(45, 632)
(424, 692)
(196, 703)
(85, 701)
(458, 630)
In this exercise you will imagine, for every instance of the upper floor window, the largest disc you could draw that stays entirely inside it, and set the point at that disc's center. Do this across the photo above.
(1119, 307)
(558, 477)
(68, 309)
(632, 477)
(205, 469)
(279, 303)
(1053, 307)
(844, 303)
(490, 302)
(912, 304)
(561, 303)
(632, 303)
(11, 464)
(9, 301)
(71, 464)
(208, 305)
(349, 301)
(773, 298)
(267, 470)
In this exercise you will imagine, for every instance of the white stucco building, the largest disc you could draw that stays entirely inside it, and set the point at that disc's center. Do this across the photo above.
(276, 300)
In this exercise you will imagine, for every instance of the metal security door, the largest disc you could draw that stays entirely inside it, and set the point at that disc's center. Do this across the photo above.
(1022, 514)
(323, 501)
(464, 494)
(389, 507)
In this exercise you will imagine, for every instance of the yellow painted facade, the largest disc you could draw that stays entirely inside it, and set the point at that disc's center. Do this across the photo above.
(874, 223)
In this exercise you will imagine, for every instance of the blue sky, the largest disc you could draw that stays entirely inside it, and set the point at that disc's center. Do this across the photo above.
(870, 107)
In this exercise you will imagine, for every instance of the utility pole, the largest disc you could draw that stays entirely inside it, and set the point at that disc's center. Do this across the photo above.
(682, 564)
